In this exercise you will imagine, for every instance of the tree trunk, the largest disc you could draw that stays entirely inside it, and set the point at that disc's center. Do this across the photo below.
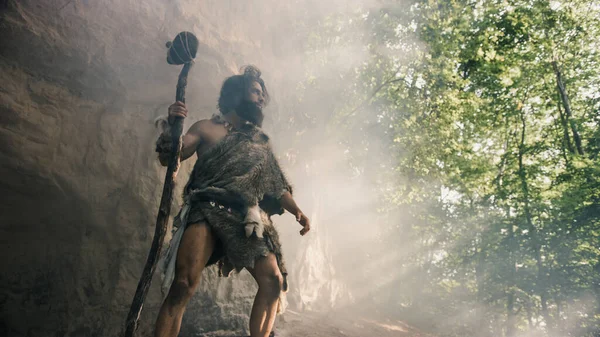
(535, 242)
(559, 309)
(481, 315)
(565, 127)
(596, 287)
(567, 105)
(544, 297)
(529, 314)
(510, 284)
(510, 296)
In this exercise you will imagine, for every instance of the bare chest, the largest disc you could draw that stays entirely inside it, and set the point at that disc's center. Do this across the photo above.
(211, 137)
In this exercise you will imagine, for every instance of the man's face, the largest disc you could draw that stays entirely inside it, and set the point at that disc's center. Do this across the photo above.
(256, 95)
(251, 107)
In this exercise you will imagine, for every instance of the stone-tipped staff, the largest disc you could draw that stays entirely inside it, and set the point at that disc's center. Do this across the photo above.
(181, 51)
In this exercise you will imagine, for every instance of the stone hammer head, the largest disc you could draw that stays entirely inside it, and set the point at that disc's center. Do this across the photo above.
(183, 48)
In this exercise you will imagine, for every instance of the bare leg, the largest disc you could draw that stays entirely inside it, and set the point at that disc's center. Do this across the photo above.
(194, 251)
(270, 282)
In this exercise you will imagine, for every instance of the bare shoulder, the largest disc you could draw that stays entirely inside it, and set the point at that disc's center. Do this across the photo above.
(202, 127)
(208, 131)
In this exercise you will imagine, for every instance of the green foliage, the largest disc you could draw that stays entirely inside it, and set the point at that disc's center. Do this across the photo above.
(496, 175)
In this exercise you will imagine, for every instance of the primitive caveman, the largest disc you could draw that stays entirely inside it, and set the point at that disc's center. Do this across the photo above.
(234, 188)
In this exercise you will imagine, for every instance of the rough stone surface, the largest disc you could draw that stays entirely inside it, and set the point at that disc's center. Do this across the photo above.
(81, 83)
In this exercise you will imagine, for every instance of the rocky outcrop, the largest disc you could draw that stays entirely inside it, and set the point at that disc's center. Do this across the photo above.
(81, 83)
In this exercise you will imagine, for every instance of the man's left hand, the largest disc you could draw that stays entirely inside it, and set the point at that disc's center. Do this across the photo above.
(304, 222)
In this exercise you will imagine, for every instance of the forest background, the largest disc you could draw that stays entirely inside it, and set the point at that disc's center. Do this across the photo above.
(479, 125)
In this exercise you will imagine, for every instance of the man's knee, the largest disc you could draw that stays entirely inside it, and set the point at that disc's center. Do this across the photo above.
(272, 283)
(181, 291)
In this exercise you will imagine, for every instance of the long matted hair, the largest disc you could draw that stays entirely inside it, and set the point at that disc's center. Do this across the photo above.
(236, 87)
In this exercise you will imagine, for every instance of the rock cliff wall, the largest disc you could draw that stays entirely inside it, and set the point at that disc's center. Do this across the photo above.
(81, 83)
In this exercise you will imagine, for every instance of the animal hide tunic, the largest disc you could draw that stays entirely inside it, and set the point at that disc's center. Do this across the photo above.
(235, 187)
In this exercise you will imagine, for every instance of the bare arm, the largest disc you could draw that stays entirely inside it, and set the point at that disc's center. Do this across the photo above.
(288, 202)
(191, 139)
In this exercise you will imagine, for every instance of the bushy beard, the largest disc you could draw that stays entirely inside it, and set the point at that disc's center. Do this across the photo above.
(250, 112)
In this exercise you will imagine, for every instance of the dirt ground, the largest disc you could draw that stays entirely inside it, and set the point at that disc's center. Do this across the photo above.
(293, 324)
(311, 325)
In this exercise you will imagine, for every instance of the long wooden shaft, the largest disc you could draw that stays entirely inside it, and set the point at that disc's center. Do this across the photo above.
(163, 214)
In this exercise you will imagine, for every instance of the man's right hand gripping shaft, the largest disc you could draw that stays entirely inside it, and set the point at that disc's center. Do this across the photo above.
(177, 109)
(164, 142)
